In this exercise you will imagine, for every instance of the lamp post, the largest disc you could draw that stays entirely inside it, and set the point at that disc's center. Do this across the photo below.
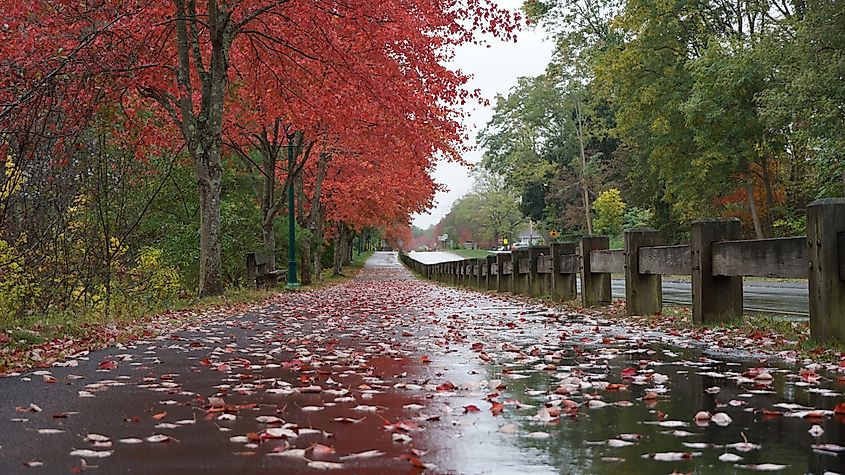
(293, 282)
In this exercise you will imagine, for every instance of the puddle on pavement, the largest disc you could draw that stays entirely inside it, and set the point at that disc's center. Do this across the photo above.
(650, 419)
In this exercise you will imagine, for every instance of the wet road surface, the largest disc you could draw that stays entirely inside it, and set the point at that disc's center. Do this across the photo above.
(387, 374)
(781, 298)
(435, 257)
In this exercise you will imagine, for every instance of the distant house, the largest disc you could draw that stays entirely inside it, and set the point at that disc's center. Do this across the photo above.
(527, 238)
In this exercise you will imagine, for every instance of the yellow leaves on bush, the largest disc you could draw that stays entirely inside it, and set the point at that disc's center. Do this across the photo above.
(17, 288)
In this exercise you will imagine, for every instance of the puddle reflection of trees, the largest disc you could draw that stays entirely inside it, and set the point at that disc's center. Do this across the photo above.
(784, 440)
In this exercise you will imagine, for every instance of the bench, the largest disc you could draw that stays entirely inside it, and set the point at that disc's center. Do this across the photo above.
(258, 272)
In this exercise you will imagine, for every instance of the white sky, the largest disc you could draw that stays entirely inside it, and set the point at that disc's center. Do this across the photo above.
(494, 71)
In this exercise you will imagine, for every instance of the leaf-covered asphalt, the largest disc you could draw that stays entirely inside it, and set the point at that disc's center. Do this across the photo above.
(387, 374)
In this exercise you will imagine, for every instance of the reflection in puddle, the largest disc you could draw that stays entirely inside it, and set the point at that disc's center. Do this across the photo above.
(586, 396)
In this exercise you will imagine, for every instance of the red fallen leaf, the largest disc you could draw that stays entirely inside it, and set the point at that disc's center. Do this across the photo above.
(4, 338)
(629, 372)
(60, 415)
(132, 419)
(477, 346)
(484, 356)
(471, 408)
(253, 436)
(616, 387)
(107, 364)
(160, 416)
(770, 413)
(416, 462)
(814, 415)
(497, 408)
(839, 408)
(447, 386)
(49, 379)
(205, 362)
(756, 335)
(425, 359)
(809, 375)
(407, 333)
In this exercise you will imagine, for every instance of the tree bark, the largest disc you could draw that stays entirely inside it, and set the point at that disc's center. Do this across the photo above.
(269, 156)
(770, 195)
(210, 188)
(339, 241)
(755, 217)
(305, 251)
(315, 223)
(585, 191)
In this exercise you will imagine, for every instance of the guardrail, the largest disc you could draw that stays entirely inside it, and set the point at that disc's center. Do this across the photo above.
(717, 259)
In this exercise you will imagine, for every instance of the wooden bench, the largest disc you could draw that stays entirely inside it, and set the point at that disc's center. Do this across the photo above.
(259, 274)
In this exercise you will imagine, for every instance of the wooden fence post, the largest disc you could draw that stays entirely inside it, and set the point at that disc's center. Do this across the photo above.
(563, 286)
(595, 288)
(826, 246)
(519, 281)
(476, 273)
(643, 292)
(490, 263)
(502, 280)
(537, 282)
(714, 298)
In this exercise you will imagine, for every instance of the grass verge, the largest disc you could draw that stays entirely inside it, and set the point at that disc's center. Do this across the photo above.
(471, 253)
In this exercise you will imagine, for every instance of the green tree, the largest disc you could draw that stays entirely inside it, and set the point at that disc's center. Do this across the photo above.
(610, 211)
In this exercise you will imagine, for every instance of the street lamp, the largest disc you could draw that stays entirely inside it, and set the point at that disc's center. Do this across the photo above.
(293, 282)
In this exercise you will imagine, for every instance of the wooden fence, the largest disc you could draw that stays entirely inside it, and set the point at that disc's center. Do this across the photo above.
(717, 259)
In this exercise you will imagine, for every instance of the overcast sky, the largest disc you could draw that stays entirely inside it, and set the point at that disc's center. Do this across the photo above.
(495, 70)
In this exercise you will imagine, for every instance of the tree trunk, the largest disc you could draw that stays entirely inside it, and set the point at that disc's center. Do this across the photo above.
(315, 222)
(268, 235)
(755, 217)
(304, 221)
(318, 251)
(770, 195)
(305, 262)
(339, 241)
(210, 187)
(200, 118)
(585, 191)
(269, 156)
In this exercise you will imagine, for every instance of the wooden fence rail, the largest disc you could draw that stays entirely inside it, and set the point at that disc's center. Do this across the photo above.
(716, 258)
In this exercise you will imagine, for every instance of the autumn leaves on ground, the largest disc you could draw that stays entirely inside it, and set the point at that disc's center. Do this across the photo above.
(388, 374)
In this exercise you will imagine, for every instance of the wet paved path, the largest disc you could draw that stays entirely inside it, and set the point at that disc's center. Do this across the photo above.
(386, 374)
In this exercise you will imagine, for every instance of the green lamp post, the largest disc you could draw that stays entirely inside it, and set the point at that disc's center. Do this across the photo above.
(293, 282)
